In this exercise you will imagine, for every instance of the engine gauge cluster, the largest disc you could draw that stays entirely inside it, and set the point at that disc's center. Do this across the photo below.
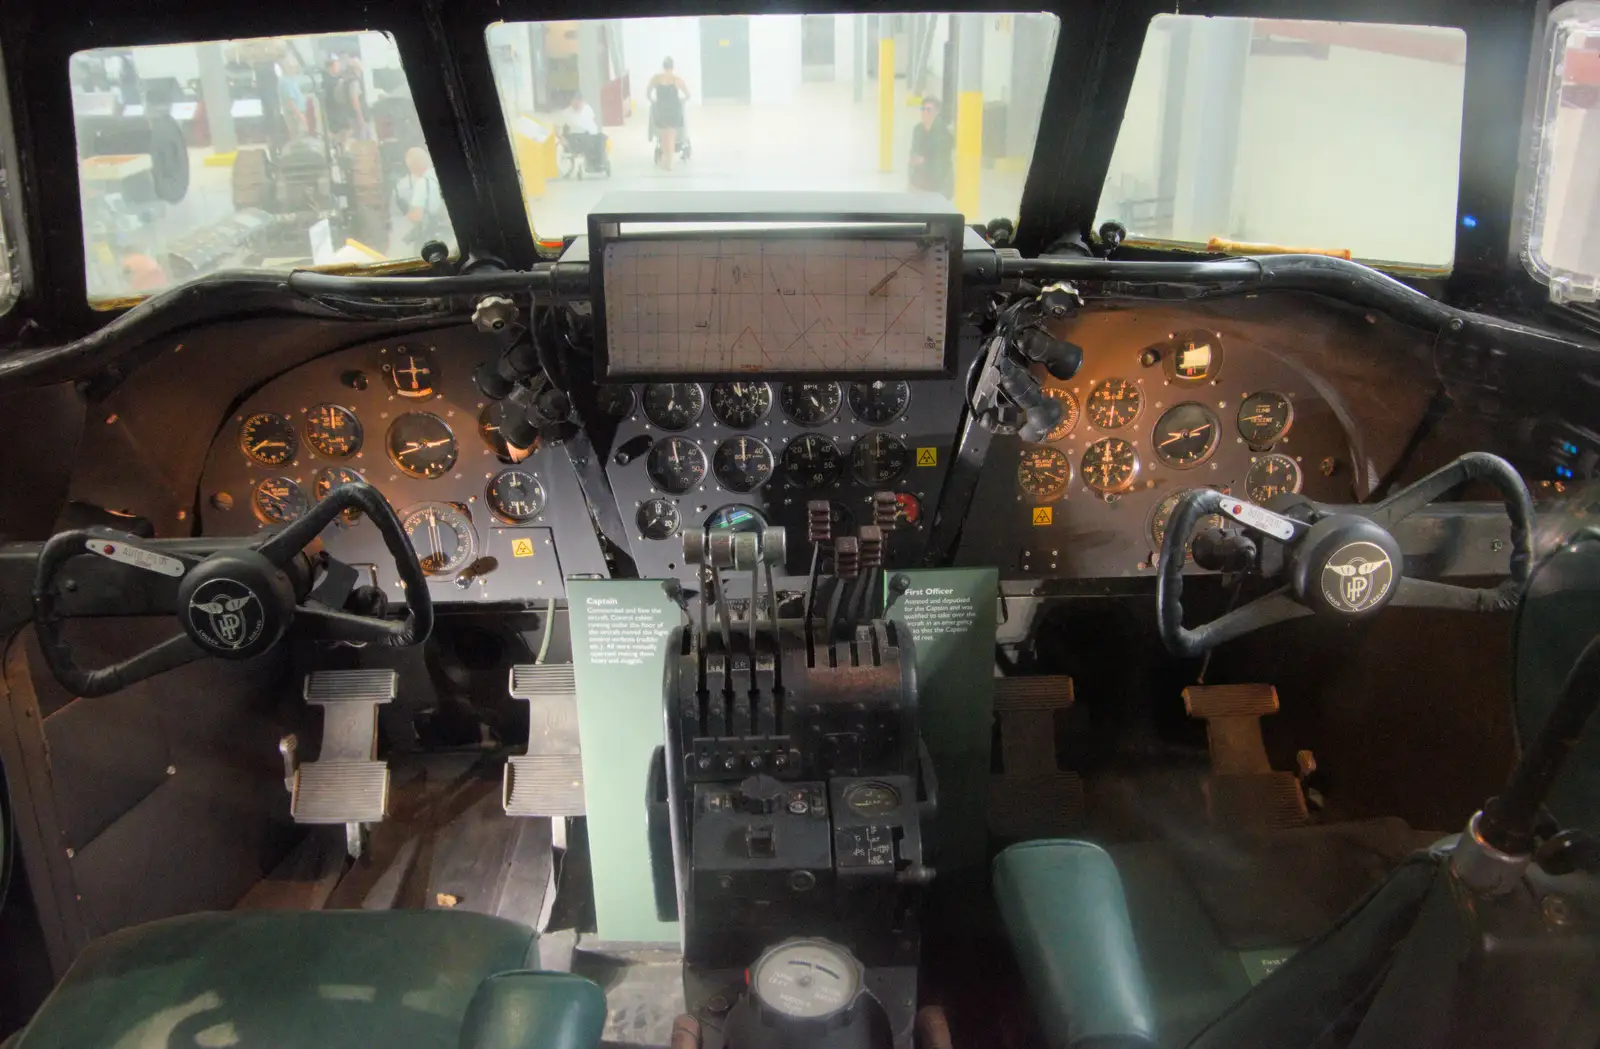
(1044, 473)
(515, 495)
(1114, 404)
(741, 405)
(742, 463)
(422, 445)
(269, 439)
(1110, 465)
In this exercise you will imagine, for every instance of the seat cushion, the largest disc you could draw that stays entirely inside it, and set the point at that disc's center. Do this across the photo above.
(1063, 909)
(277, 979)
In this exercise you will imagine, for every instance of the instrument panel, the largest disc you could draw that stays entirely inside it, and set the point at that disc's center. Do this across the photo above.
(1155, 410)
(744, 453)
(405, 417)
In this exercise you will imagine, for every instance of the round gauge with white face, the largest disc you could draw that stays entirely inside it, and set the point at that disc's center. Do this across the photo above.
(1109, 465)
(806, 979)
(674, 405)
(333, 431)
(810, 403)
(277, 500)
(442, 536)
(269, 439)
(880, 402)
(676, 465)
(740, 405)
(515, 495)
(742, 463)
(1271, 476)
(1114, 404)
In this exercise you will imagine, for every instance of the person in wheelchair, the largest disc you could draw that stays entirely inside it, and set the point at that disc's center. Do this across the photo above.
(581, 130)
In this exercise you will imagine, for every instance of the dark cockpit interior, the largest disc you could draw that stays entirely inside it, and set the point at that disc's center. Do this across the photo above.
(529, 527)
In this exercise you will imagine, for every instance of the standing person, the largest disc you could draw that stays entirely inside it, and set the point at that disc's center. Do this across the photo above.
(932, 152)
(667, 93)
(420, 204)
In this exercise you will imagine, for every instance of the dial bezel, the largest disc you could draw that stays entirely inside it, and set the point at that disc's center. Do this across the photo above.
(885, 480)
(839, 463)
(348, 413)
(469, 536)
(394, 457)
(1133, 476)
(1211, 442)
(835, 399)
(1249, 474)
(766, 409)
(766, 474)
(498, 509)
(294, 486)
(639, 518)
(292, 445)
(651, 461)
(1138, 404)
(1279, 434)
(1069, 417)
(860, 416)
(1055, 493)
(699, 397)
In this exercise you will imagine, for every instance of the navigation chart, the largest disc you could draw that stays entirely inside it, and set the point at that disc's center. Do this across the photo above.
(784, 304)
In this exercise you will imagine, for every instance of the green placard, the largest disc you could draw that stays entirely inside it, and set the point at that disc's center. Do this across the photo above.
(619, 640)
(950, 613)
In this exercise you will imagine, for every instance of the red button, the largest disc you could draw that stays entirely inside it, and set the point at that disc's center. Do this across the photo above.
(110, 549)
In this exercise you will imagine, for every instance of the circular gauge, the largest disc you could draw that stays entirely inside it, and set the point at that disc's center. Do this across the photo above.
(333, 431)
(657, 518)
(1069, 413)
(812, 461)
(442, 536)
(614, 401)
(1044, 472)
(910, 511)
(268, 438)
(871, 798)
(1186, 435)
(1192, 356)
(422, 445)
(277, 500)
(880, 402)
(676, 465)
(330, 477)
(1271, 476)
(1265, 417)
(1163, 513)
(736, 519)
(879, 459)
(806, 979)
(516, 495)
(410, 374)
(1109, 465)
(489, 430)
(810, 403)
(741, 404)
(742, 463)
(1114, 404)
(674, 405)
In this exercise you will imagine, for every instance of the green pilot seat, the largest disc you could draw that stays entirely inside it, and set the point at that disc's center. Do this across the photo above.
(334, 979)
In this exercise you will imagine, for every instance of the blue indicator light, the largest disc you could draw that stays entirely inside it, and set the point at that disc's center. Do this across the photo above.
(1569, 448)
(1469, 221)
(1564, 472)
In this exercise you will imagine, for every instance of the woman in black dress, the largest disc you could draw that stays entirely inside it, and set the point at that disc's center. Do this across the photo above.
(667, 93)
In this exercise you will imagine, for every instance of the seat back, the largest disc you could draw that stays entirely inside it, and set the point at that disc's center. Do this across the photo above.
(1560, 613)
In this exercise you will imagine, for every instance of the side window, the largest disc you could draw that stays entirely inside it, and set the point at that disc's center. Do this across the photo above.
(1336, 136)
(1563, 232)
(275, 152)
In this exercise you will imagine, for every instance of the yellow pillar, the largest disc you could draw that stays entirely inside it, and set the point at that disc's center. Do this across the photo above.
(886, 102)
(969, 152)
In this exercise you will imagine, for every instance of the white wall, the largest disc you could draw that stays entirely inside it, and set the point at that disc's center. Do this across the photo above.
(174, 60)
(997, 31)
(646, 41)
(774, 58)
(844, 48)
(1360, 151)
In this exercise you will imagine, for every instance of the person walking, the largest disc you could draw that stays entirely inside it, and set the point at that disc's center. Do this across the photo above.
(667, 93)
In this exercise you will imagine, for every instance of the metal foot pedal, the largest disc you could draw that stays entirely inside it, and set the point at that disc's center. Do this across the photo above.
(548, 779)
(1243, 790)
(346, 784)
(1032, 797)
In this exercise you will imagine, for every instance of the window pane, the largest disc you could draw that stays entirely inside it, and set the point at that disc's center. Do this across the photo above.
(275, 152)
(782, 102)
(1325, 135)
(1564, 234)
